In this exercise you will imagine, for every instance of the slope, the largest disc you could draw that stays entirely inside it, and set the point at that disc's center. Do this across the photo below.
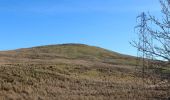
(71, 51)
(74, 72)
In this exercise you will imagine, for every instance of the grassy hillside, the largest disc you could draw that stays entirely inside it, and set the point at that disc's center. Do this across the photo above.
(72, 51)
(75, 72)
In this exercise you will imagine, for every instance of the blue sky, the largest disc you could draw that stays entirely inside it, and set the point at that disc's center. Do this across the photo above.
(104, 23)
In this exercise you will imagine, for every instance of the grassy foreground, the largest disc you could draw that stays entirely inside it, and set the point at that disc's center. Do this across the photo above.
(75, 72)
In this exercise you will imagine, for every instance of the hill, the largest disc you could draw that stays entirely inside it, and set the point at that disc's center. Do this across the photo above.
(70, 51)
(75, 72)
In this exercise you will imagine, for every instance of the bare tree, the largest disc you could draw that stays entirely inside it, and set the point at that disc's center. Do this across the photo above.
(155, 33)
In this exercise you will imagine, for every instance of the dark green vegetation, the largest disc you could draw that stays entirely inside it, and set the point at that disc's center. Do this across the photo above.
(75, 72)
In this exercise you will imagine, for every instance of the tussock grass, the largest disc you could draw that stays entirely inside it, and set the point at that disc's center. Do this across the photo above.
(63, 81)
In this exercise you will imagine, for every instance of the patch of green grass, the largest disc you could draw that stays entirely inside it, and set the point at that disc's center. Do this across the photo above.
(166, 70)
(91, 73)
